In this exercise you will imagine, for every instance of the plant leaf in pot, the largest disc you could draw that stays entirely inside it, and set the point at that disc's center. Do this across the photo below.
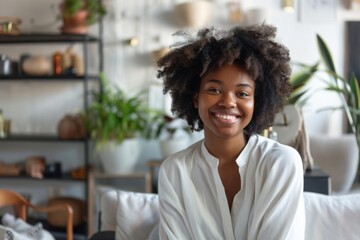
(77, 15)
(114, 120)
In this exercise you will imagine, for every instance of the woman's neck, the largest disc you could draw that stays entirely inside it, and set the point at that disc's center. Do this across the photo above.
(226, 150)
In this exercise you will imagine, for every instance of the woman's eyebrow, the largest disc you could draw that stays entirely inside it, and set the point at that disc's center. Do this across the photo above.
(238, 85)
(214, 81)
(244, 85)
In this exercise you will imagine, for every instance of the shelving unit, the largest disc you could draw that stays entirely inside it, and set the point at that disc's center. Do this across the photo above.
(80, 232)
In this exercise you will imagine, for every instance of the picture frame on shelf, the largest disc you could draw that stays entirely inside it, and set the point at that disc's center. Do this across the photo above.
(317, 11)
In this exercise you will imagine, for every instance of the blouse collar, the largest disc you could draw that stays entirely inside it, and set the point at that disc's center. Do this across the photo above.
(241, 160)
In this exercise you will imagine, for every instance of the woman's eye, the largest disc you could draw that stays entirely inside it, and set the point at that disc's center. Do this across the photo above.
(214, 90)
(243, 94)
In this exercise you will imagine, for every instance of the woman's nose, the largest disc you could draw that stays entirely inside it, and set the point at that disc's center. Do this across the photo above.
(228, 100)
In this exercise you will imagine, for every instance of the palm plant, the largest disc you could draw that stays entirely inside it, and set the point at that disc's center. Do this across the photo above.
(348, 90)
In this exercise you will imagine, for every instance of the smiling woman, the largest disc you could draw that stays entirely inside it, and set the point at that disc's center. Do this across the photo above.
(225, 98)
(225, 103)
(233, 184)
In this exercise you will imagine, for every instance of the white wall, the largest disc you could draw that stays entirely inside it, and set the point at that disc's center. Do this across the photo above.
(36, 107)
(132, 68)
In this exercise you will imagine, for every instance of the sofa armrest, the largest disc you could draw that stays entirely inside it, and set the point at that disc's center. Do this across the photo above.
(103, 235)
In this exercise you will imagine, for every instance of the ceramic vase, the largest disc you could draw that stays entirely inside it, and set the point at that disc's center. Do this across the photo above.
(118, 158)
(194, 13)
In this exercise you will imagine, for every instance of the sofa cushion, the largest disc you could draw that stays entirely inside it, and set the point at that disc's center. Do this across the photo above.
(108, 204)
(332, 217)
(137, 215)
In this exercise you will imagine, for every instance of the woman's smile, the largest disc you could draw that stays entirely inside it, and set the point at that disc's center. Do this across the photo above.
(226, 118)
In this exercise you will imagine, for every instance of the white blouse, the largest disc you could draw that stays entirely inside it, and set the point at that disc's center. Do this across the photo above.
(269, 206)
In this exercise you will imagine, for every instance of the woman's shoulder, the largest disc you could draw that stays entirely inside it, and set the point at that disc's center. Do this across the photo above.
(178, 165)
(272, 151)
(269, 145)
(183, 157)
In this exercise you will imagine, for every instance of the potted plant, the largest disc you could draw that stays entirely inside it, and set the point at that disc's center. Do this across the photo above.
(114, 121)
(77, 15)
(348, 91)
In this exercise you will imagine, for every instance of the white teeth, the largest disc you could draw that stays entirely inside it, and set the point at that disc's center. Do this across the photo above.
(227, 117)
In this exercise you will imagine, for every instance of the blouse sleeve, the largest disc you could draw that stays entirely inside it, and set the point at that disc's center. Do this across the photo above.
(279, 208)
(173, 224)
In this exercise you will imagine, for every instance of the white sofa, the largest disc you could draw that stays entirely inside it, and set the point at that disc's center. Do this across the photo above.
(134, 216)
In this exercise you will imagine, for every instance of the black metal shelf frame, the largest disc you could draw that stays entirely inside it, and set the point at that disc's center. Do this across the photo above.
(65, 177)
(39, 138)
(46, 38)
(46, 78)
(85, 40)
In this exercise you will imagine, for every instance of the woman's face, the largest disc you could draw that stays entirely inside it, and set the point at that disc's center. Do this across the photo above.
(225, 101)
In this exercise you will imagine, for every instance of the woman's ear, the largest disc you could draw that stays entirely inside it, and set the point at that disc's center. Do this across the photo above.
(195, 100)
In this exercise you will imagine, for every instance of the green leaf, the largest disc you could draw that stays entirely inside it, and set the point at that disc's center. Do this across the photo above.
(298, 83)
(295, 97)
(355, 92)
(329, 64)
(355, 111)
(325, 54)
(72, 6)
(301, 78)
(335, 89)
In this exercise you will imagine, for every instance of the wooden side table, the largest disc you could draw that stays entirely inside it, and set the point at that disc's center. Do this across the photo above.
(152, 165)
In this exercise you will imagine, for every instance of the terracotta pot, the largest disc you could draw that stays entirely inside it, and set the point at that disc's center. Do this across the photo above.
(71, 127)
(76, 24)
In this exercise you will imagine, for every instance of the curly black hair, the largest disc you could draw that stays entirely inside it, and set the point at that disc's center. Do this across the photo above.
(252, 48)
